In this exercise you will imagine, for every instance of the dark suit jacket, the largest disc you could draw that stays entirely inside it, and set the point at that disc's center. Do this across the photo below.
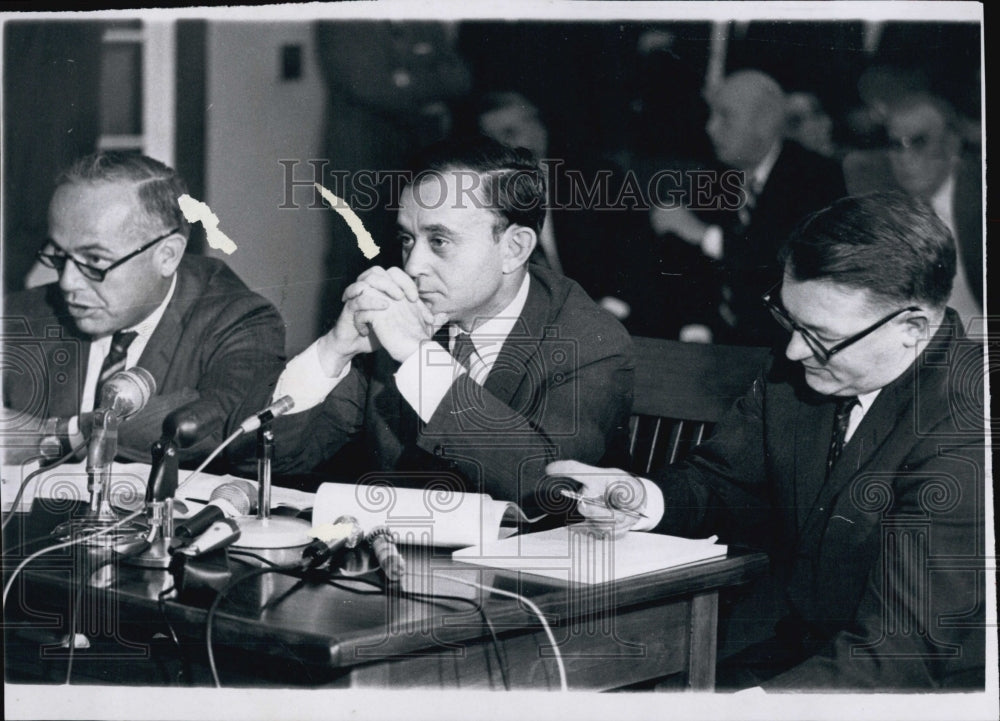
(561, 387)
(217, 342)
(800, 183)
(890, 545)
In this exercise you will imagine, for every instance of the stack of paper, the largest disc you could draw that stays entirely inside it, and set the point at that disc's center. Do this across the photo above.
(577, 554)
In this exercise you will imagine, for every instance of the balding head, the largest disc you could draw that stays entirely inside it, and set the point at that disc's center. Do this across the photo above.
(747, 118)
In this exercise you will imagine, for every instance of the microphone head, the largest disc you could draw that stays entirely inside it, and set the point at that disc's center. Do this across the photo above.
(127, 392)
(281, 406)
(241, 494)
(191, 422)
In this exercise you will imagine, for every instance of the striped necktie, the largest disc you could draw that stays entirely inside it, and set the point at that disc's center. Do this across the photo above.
(841, 420)
(114, 362)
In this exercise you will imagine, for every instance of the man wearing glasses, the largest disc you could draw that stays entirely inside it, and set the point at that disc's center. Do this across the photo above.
(127, 295)
(856, 461)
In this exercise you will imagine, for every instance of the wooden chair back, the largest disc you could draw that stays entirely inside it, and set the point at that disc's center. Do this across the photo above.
(681, 391)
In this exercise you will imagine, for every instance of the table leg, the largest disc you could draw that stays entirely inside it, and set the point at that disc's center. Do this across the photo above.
(701, 649)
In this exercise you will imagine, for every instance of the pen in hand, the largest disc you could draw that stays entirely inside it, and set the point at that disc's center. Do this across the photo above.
(600, 502)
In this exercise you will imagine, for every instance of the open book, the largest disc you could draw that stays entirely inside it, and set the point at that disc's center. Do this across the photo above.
(577, 554)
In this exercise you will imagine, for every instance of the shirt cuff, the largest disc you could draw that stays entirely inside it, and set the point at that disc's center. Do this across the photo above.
(426, 376)
(652, 508)
(305, 380)
(711, 242)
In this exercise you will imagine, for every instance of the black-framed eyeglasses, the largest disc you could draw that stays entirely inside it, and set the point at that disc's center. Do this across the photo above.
(819, 350)
(58, 260)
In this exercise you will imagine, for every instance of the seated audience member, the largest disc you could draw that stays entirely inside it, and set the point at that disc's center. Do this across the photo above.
(926, 160)
(127, 295)
(783, 182)
(854, 460)
(578, 229)
(539, 371)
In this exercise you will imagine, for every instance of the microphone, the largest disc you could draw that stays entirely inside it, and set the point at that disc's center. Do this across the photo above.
(127, 392)
(123, 395)
(232, 499)
(219, 535)
(278, 408)
(186, 424)
(330, 540)
(387, 554)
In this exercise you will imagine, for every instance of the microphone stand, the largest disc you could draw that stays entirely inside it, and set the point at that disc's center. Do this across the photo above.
(160, 506)
(100, 457)
(280, 539)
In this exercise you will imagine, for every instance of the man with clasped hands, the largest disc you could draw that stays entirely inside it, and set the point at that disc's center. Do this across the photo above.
(466, 365)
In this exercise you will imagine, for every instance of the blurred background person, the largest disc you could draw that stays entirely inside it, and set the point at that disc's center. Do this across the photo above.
(925, 156)
(782, 182)
(588, 238)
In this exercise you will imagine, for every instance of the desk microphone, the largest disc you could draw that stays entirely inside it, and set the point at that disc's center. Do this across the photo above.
(219, 535)
(330, 540)
(278, 408)
(387, 554)
(232, 499)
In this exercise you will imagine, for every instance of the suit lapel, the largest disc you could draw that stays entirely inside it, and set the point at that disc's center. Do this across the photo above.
(521, 345)
(813, 427)
(159, 352)
(870, 435)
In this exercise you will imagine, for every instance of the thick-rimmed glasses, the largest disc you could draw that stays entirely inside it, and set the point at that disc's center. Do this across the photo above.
(819, 350)
(58, 260)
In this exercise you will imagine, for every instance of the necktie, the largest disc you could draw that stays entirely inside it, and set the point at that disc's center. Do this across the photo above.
(752, 190)
(841, 420)
(114, 361)
(464, 348)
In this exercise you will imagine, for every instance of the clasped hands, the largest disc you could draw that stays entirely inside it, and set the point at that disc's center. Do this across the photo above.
(382, 308)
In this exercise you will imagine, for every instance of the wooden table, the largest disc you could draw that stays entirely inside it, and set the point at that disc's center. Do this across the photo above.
(276, 630)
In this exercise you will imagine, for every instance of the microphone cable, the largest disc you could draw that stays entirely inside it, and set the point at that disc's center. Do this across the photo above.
(223, 592)
(563, 686)
(297, 572)
(31, 476)
(432, 598)
(211, 457)
(162, 606)
(66, 544)
(74, 611)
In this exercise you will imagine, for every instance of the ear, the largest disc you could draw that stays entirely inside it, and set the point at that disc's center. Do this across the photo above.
(916, 327)
(167, 255)
(518, 241)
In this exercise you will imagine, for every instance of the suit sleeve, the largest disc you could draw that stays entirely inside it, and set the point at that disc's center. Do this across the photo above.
(304, 440)
(920, 623)
(721, 487)
(240, 354)
(577, 411)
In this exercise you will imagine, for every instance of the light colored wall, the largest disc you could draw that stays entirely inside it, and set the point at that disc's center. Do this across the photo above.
(254, 119)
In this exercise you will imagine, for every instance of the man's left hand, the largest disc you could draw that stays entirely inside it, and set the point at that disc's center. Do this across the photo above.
(402, 326)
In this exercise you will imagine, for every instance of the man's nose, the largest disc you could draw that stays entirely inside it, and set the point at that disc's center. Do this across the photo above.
(797, 350)
(70, 277)
(415, 262)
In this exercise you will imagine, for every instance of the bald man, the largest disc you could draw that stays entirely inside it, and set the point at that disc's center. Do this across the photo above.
(780, 183)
